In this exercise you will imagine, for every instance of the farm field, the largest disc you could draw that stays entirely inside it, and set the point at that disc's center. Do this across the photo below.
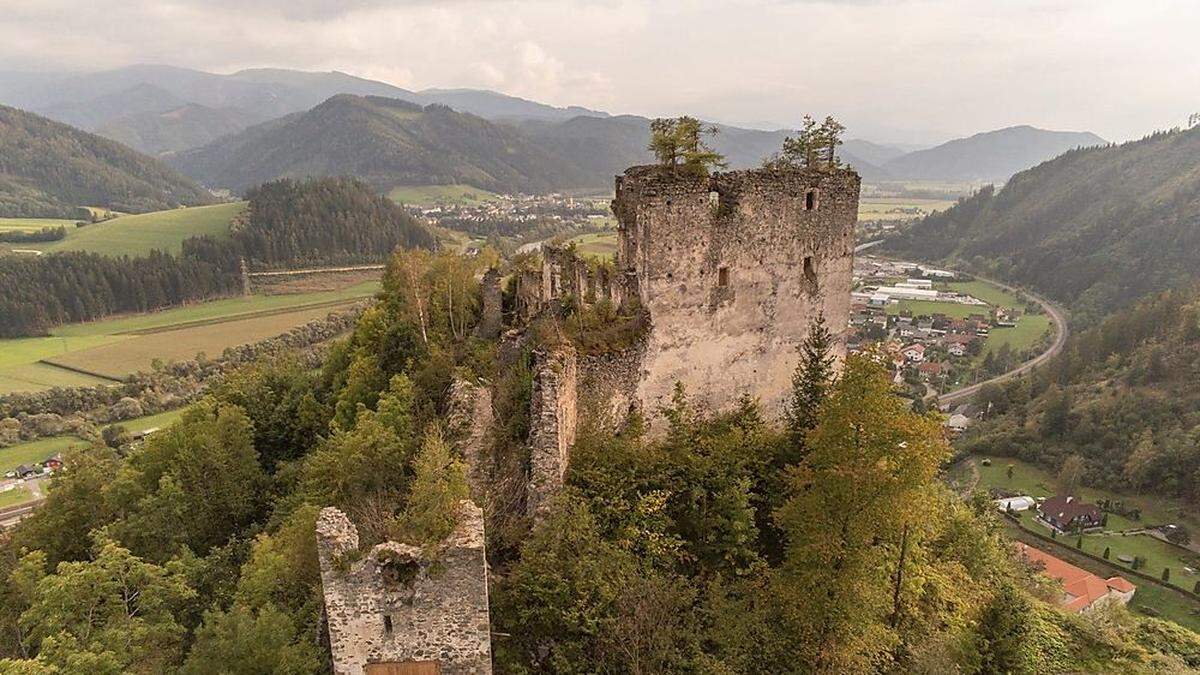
(33, 224)
(1025, 334)
(899, 208)
(20, 369)
(139, 234)
(139, 352)
(596, 244)
(428, 195)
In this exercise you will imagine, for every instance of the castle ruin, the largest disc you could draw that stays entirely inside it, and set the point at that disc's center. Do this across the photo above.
(718, 279)
(399, 609)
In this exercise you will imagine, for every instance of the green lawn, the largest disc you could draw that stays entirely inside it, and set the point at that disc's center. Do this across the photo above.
(1029, 330)
(139, 234)
(17, 495)
(953, 310)
(1027, 479)
(428, 195)
(993, 295)
(1037, 482)
(596, 244)
(159, 421)
(19, 370)
(33, 452)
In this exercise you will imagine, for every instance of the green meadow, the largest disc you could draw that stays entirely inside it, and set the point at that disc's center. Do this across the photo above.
(134, 235)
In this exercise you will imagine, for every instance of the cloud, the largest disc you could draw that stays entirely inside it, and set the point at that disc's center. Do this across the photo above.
(894, 69)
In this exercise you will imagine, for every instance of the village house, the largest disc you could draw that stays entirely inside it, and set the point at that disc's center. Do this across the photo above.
(1067, 514)
(930, 369)
(914, 353)
(1082, 590)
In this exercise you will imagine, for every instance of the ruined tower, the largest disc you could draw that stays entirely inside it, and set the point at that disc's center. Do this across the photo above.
(732, 268)
(401, 609)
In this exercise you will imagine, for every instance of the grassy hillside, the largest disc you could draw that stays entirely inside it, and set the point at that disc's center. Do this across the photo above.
(1094, 229)
(135, 235)
(48, 169)
(385, 142)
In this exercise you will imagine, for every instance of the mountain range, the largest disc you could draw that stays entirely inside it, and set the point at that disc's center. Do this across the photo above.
(49, 169)
(232, 130)
(1095, 228)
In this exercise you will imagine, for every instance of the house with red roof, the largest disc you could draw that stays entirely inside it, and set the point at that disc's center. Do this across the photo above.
(1082, 590)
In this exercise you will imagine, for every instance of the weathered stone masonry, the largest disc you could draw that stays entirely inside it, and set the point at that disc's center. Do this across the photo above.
(732, 268)
(398, 605)
(553, 420)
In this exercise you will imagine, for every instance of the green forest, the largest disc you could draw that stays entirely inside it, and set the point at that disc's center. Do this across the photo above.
(726, 544)
(1123, 397)
(320, 221)
(1095, 229)
(50, 170)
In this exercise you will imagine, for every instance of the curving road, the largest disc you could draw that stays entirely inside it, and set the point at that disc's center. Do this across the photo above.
(1056, 314)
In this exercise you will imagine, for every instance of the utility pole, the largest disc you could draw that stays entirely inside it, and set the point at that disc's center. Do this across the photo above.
(245, 277)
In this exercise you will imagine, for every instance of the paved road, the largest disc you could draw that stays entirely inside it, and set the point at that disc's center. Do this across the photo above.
(1057, 316)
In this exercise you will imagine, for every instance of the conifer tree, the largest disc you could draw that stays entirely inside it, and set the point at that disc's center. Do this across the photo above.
(810, 382)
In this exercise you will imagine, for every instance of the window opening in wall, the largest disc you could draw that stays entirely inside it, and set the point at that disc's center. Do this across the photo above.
(723, 277)
(810, 200)
(387, 624)
(810, 271)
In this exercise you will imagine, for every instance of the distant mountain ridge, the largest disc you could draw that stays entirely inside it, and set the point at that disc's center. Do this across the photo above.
(988, 156)
(1096, 228)
(49, 169)
(385, 142)
(136, 105)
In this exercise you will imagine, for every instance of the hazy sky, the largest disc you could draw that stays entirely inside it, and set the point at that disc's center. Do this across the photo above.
(899, 70)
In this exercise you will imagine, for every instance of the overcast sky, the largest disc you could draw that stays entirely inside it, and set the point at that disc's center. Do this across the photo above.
(893, 70)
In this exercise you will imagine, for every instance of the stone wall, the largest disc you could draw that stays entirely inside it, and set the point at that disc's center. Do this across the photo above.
(491, 318)
(608, 387)
(732, 268)
(397, 603)
(553, 422)
(470, 419)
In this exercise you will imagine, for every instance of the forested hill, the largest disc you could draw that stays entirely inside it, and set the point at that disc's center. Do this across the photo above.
(48, 169)
(992, 155)
(1124, 395)
(385, 142)
(1094, 228)
(325, 221)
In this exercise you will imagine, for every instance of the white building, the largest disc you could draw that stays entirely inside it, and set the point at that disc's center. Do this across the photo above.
(1022, 503)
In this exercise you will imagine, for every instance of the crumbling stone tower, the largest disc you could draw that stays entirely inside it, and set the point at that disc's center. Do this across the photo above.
(399, 609)
(732, 268)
